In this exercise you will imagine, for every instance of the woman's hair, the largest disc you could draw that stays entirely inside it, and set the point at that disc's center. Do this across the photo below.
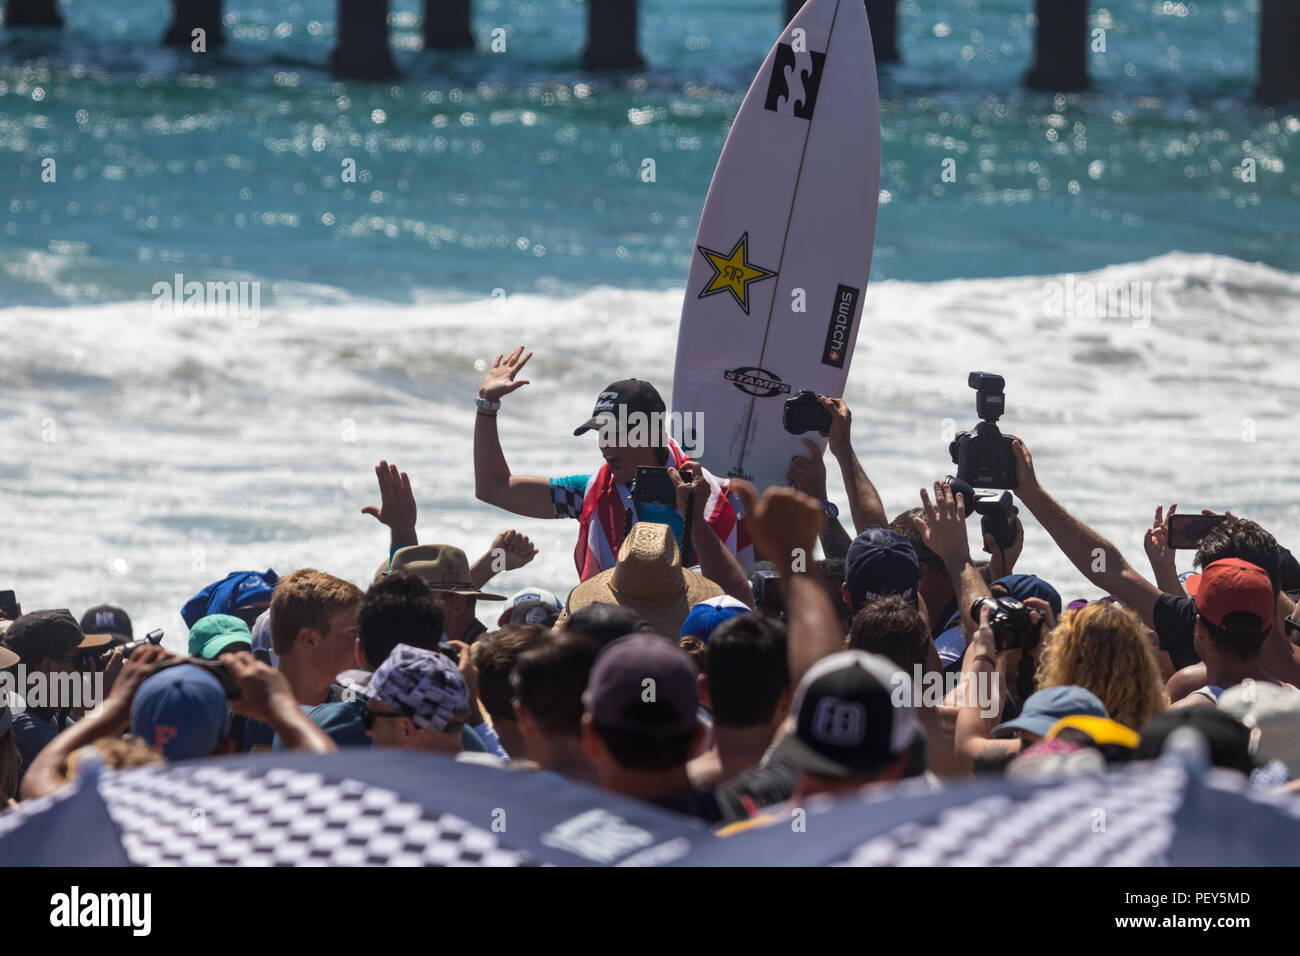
(1101, 647)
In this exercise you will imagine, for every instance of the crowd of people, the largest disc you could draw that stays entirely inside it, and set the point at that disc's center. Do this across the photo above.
(706, 659)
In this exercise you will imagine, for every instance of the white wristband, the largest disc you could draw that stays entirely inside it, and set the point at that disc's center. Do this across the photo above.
(487, 406)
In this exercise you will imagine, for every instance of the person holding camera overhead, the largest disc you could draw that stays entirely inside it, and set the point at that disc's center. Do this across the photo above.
(638, 480)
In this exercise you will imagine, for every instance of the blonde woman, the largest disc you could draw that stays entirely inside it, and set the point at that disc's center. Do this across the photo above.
(1101, 647)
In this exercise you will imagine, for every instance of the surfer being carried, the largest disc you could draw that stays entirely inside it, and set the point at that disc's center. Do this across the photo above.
(630, 417)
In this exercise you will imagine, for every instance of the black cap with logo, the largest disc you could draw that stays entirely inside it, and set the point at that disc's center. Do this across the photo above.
(107, 619)
(636, 395)
(854, 714)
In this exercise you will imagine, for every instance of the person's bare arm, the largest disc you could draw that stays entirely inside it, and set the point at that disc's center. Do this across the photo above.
(979, 702)
(864, 500)
(268, 697)
(1096, 558)
(48, 771)
(943, 530)
(510, 550)
(717, 563)
(785, 524)
(809, 476)
(525, 495)
(396, 506)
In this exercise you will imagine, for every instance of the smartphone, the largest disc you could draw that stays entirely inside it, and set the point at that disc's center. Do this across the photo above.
(215, 668)
(8, 606)
(1186, 531)
(653, 486)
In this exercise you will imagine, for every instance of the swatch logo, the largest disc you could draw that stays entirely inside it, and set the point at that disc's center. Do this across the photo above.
(840, 333)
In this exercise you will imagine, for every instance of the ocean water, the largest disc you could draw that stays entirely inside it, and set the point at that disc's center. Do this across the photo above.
(498, 202)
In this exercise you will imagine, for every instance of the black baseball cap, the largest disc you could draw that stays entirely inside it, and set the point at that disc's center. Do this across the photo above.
(616, 695)
(51, 633)
(108, 619)
(847, 720)
(637, 395)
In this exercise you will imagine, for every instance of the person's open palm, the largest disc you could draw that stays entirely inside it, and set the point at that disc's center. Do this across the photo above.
(500, 378)
(396, 499)
(943, 527)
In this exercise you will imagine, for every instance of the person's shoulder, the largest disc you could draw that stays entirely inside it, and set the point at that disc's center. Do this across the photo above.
(1179, 604)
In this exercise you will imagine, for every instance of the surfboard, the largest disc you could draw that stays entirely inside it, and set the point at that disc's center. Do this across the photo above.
(779, 271)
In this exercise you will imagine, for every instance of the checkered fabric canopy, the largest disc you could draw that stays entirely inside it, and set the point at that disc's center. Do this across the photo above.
(1150, 814)
(353, 808)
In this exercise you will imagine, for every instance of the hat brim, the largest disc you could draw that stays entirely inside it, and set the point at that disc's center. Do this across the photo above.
(91, 641)
(217, 646)
(802, 757)
(591, 424)
(469, 592)
(666, 616)
(8, 658)
(1031, 723)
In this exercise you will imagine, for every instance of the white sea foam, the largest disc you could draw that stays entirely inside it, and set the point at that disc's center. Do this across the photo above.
(142, 456)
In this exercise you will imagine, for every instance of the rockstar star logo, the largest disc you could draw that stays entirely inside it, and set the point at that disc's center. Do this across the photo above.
(733, 272)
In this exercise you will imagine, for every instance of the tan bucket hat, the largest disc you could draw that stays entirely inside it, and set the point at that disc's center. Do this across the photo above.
(442, 567)
(649, 578)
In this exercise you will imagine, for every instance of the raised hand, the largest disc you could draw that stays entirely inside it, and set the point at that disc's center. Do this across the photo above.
(1026, 478)
(943, 527)
(396, 500)
(515, 548)
(500, 378)
(809, 474)
(690, 478)
(1161, 556)
(784, 524)
(841, 419)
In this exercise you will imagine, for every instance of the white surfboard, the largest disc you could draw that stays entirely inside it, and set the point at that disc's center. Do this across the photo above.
(779, 274)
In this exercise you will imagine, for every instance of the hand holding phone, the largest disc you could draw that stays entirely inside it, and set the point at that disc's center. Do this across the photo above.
(653, 486)
(1184, 532)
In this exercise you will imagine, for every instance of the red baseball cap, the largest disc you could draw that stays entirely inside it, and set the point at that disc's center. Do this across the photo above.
(1234, 585)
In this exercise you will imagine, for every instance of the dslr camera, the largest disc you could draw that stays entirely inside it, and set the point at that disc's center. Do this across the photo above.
(1011, 622)
(983, 456)
(997, 513)
(805, 413)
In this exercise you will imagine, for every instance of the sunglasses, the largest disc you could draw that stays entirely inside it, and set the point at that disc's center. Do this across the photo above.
(368, 718)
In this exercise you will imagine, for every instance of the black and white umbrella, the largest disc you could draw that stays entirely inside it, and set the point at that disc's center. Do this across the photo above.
(1172, 812)
(353, 808)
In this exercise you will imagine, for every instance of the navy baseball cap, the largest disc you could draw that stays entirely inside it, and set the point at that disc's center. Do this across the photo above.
(1021, 586)
(616, 690)
(1045, 707)
(108, 619)
(180, 712)
(880, 562)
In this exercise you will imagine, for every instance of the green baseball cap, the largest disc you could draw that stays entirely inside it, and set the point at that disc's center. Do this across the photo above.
(218, 634)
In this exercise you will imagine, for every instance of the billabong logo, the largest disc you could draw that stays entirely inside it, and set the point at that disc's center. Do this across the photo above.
(756, 381)
(792, 88)
(733, 272)
(840, 333)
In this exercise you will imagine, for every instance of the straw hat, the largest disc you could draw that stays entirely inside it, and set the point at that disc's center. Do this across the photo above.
(649, 578)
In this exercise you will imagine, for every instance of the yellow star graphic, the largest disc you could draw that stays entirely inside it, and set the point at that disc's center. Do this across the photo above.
(733, 272)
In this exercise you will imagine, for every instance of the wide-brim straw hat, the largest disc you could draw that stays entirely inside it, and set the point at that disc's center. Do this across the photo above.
(649, 579)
